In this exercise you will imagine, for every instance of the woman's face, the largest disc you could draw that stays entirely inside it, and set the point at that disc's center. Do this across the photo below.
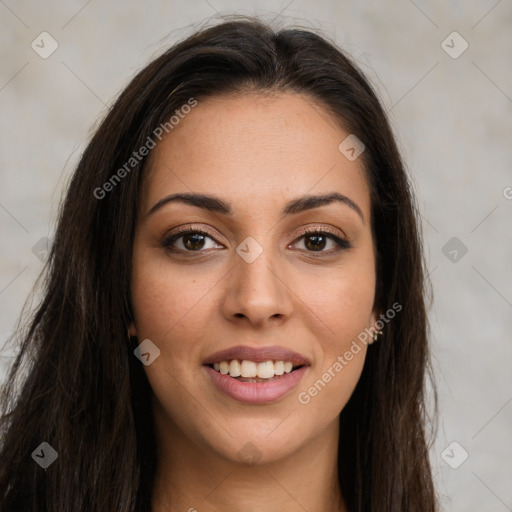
(246, 279)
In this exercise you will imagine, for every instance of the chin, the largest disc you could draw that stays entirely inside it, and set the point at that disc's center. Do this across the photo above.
(256, 450)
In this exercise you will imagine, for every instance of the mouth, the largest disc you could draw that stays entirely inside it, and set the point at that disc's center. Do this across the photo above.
(256, 376)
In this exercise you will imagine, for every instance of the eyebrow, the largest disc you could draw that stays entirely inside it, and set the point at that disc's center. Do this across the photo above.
(293, 207)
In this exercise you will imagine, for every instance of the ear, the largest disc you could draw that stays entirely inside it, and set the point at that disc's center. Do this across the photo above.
(373, 318)
(132, 331)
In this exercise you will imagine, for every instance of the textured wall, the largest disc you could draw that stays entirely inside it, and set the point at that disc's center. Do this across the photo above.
(451, 107)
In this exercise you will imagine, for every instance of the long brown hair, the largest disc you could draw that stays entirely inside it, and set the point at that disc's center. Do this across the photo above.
(84, 392)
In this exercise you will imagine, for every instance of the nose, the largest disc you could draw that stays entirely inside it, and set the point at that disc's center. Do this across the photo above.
(257, 292)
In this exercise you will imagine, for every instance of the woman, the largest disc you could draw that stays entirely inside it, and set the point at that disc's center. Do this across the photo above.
(234, 313)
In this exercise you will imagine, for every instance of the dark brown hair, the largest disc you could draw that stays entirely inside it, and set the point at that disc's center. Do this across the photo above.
(84, 391)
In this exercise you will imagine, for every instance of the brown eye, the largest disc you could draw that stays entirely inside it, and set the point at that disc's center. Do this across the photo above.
(189, 241)
(322, 242)
(194, 241)
(315, 242)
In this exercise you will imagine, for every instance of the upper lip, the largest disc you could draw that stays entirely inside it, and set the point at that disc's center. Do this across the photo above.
(258, 355)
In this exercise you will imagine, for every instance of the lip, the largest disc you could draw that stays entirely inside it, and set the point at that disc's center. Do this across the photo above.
(258, 355)
(256, 392)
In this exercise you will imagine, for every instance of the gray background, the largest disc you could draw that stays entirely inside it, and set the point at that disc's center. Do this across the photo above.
(452, 117)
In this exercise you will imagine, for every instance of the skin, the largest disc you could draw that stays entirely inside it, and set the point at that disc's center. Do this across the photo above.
(256, 152)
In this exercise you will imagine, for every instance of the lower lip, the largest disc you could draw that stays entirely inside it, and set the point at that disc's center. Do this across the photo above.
(256, 392)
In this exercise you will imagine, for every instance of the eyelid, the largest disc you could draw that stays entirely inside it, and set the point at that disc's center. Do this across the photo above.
(322, 229)
(192, 228)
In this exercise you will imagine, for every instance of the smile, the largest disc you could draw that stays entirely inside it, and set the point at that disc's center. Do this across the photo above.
(256, 376)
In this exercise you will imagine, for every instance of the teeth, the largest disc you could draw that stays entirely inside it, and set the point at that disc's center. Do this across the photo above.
(250, 369)
(234, 368)
(266, 370)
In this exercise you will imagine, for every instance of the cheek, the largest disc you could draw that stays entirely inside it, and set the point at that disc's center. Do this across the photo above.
(170, 309)
(165, 298)
(351, 307)
(340, 306)
(344, 310)
(339, 303)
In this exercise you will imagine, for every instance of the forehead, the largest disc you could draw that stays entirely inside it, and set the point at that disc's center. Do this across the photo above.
(256, 151)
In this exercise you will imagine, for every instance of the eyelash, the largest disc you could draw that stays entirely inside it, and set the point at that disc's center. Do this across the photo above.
(342, 244)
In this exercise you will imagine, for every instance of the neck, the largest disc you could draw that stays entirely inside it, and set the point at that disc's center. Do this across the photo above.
(192, 478)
